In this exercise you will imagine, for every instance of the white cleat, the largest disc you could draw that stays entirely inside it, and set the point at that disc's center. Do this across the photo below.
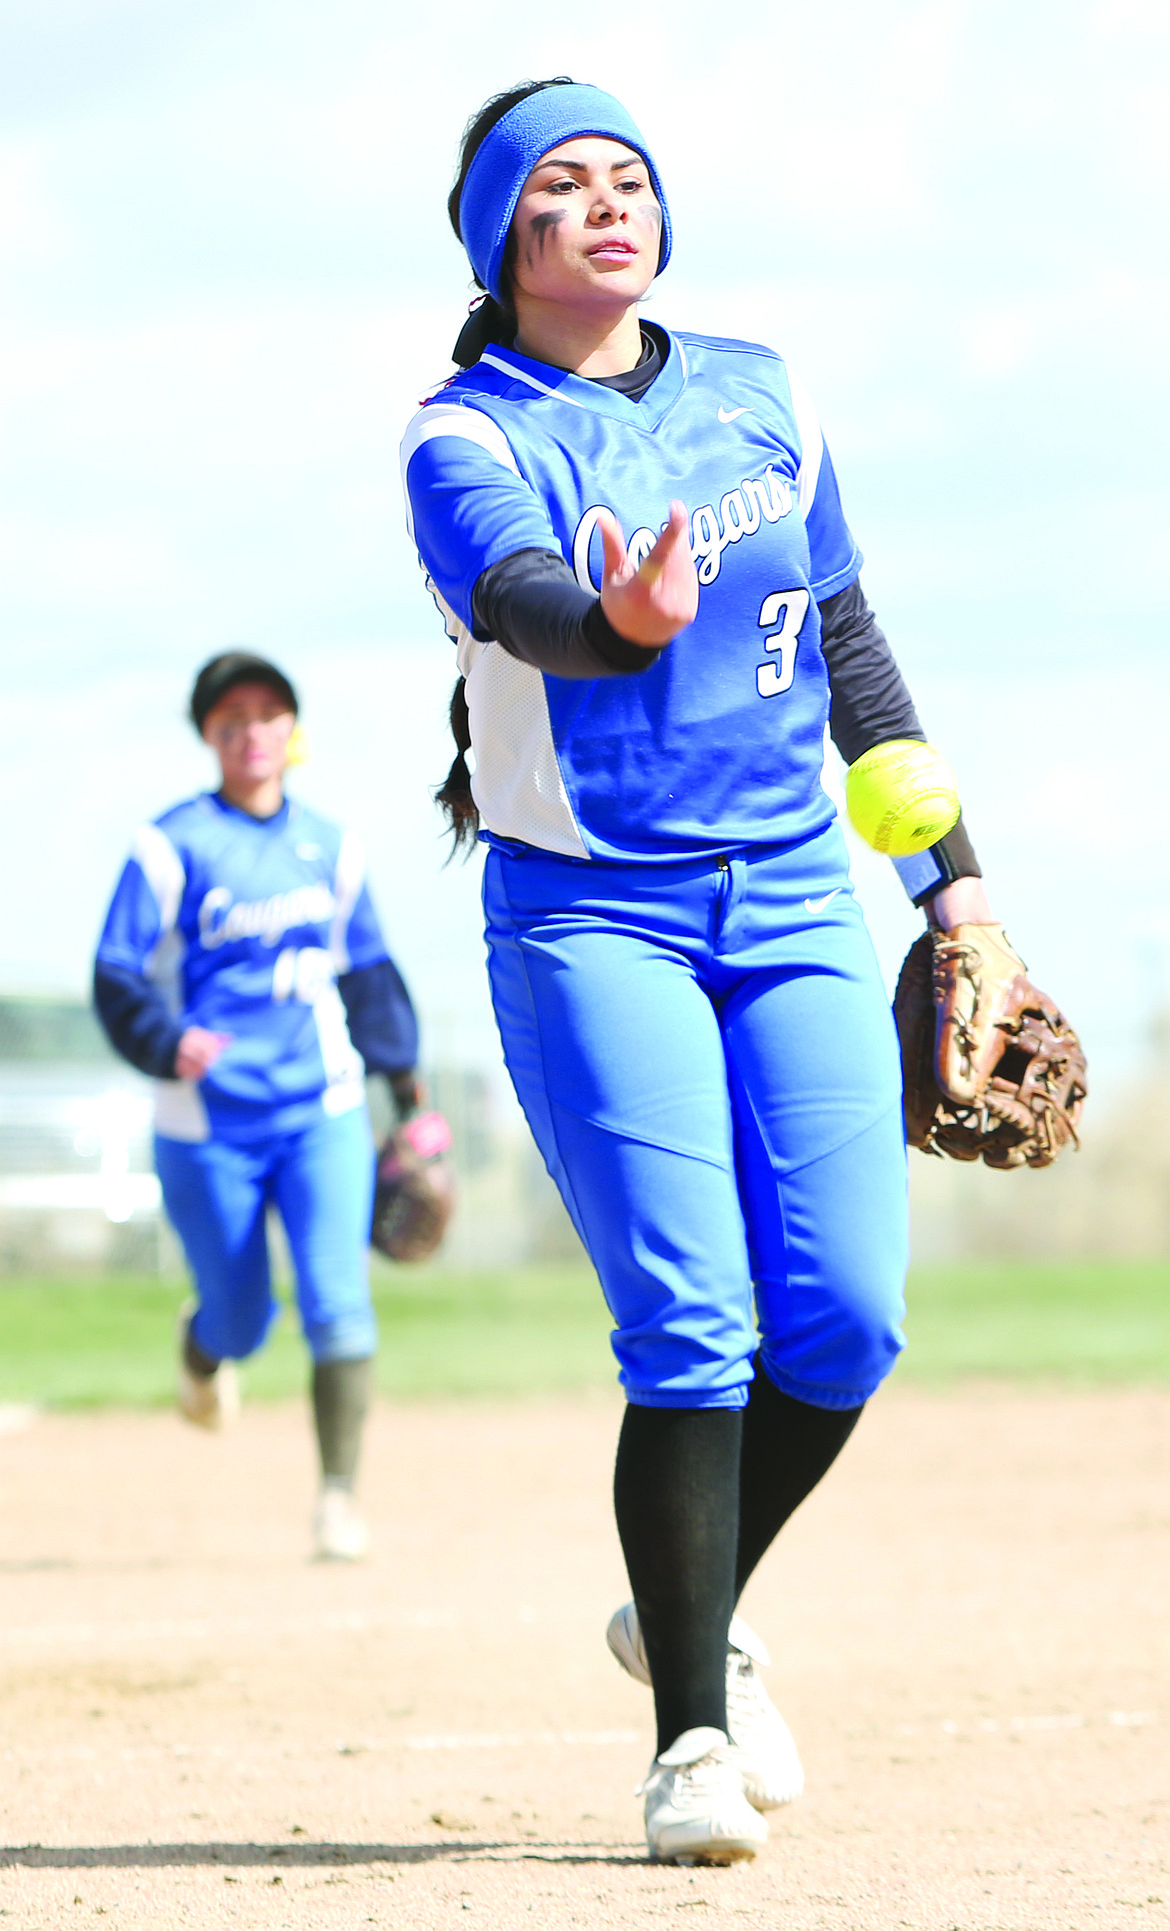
(760, 1739)
(210, 1401)
(696, 1811)
(339, 1530)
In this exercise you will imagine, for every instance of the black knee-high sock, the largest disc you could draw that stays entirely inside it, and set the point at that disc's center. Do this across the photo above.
(203, 1365)
(341, 1396)
(787, 1446)
(676, 1491)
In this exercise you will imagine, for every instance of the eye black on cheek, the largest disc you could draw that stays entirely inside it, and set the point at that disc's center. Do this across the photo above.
(542, 226)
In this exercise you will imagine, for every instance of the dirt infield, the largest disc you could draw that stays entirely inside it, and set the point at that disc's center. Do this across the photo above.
(970, 1626)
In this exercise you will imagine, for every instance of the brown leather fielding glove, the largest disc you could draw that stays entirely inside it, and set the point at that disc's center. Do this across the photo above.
(414, 1192)
(991, 1070)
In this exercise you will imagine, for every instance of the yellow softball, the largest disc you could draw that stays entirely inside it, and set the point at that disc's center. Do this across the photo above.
(901, 796)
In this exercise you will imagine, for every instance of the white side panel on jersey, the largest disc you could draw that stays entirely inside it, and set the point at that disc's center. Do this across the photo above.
(164, 968)
(179, 1112)
(342, 1099)
(345, 1072)
(811, 442)
(347, 883)
(162, 868)
(517, 785)
(467, 647)
(453, 419)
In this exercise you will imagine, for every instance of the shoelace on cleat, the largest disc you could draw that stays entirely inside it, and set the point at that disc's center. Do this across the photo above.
(694, 1779)
(747, 1700)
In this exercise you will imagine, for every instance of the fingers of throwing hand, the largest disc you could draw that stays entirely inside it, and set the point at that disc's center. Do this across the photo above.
(671, 559)
(650, 605)
(617, 567)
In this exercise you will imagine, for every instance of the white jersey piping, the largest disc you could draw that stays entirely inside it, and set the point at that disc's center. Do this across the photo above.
(453, 419)
(162, 868)
(348, 874)
(812, 444)
(521, 375)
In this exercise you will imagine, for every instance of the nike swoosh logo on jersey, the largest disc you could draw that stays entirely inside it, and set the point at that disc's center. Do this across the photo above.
(819, 904)
(729, 415)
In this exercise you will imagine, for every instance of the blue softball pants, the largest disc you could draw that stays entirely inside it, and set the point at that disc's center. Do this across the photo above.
(321, 1181)
(705, 1054)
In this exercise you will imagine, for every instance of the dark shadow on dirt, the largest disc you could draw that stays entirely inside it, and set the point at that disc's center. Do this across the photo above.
(78, 1857)
(39, 1565)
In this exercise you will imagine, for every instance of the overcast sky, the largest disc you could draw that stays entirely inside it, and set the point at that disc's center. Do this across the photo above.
(227, 278)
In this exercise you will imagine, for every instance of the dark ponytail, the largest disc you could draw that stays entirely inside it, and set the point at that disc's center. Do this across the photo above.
(489, 321)
(454, 794)
(486, 323)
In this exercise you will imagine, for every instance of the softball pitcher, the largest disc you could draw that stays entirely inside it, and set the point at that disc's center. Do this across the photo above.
(636, 541)
(243, 967)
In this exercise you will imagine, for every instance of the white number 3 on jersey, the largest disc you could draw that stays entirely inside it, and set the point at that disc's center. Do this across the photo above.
(774, 677)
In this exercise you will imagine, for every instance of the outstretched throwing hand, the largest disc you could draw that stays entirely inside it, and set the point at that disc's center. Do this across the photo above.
(651, 604)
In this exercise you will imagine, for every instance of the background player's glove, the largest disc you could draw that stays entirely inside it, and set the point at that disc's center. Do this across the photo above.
(991, 1069)
(414, 1192)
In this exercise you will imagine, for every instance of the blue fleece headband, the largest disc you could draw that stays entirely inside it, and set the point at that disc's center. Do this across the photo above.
(506, 157)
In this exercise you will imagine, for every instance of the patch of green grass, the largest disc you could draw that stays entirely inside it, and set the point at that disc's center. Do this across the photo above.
(72, 1343)
(1076, 1322)
(76, 1344)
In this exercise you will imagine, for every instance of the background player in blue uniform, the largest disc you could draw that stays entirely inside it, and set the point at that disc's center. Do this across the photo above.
(243, 966)
(688, 999)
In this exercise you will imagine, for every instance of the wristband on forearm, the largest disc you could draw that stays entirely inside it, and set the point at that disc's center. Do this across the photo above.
(939, 865)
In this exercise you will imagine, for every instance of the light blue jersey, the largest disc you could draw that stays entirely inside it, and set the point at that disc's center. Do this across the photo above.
(720, 743)
(244, 925)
